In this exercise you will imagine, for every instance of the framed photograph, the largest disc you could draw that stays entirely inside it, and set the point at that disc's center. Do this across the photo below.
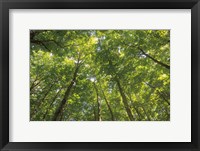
(99, 75)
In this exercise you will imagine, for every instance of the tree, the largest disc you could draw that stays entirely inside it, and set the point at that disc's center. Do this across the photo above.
(102, 75)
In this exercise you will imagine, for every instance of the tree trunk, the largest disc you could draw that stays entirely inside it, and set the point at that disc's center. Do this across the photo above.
(50, 106)
(138, 113)
(135, 108)
(95, 117)
(34, 85)
(66, 96)
(149, 119)
(40, 101)
(108, 105)
(125, 101)
(98, 103)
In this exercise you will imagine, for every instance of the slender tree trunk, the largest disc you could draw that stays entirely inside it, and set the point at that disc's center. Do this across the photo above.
(138, 113)
(50, 106)
(61, 116)
(95, 117)
(149, 119)
(34, 85)
(40, 101)
(98, 103)
(108, 105)
(66, 95)
(135, 108)
(125, 101)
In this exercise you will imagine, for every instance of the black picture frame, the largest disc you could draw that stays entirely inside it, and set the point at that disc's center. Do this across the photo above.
(5, 5)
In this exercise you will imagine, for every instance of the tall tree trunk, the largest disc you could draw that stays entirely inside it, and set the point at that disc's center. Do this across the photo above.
(61, 116)
(95, 117)
(35, 84)
(50, 106)
(135, 108)
(98, 103)
(40, 101)
(66, 95)
(149, 119)
(125, 101)
(138, 113)
(108, 105)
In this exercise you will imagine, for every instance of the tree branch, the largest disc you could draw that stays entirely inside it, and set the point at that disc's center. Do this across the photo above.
(40, 43)
(158, 62)
(160, 93)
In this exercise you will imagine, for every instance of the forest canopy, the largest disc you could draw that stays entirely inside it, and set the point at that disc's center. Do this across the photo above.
(99, 75)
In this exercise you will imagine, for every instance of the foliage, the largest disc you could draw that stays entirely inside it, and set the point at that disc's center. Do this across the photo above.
(100, 75)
